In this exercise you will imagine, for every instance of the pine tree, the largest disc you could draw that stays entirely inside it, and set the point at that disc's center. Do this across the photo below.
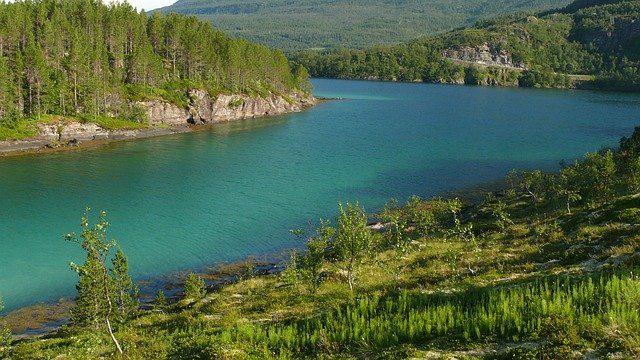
(194, 287)
(126, 293)
(160, 302)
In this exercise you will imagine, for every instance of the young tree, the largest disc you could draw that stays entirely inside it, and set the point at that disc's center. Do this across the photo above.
(421, 215)
(353, 238)
(160, 302)
(126, 293)
(536, 184)
(597, 173)
(568, 186)
(5, 335)
(313, 260)
(194, 287)
(94, 302)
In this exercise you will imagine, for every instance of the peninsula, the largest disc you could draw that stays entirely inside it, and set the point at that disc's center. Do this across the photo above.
(75, 71)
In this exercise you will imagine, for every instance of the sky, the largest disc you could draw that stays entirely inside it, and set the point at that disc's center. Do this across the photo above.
(150, 4)
(143, 4)
(147, 4)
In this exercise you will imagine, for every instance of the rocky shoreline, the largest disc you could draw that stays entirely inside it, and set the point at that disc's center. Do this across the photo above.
(164, 118)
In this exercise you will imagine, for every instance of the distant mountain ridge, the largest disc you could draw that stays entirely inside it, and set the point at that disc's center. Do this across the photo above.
(297, 25)
(590, 43)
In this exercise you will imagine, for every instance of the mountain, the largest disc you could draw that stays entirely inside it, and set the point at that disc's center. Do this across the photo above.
(590, 42)
(296, 25)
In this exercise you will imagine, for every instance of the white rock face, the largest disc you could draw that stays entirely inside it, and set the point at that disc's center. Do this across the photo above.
(203, 109)
(65, 131)
(484, 55)
(161, 112)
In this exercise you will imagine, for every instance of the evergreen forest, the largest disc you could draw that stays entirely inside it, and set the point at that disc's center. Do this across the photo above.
(86, 58)
(298, 25)
(590, 44)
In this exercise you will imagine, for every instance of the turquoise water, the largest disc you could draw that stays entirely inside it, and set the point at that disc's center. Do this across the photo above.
(192, 200)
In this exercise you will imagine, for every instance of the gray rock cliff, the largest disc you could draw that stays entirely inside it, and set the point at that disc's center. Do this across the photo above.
(201, 109)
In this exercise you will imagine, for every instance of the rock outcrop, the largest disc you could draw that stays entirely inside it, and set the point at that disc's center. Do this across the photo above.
(201, 109)
(482, 55)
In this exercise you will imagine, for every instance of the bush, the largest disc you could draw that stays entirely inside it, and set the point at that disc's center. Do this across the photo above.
(631, 215)
(194, 287)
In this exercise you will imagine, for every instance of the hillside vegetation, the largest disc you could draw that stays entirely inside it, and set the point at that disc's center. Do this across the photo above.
(545, 269)
(82, 57)
(297, 25)
(595, 41)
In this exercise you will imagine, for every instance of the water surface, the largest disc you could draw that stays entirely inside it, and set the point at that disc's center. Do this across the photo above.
(191, 200)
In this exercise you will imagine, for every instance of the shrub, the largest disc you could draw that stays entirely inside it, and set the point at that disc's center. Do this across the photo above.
(194, 287)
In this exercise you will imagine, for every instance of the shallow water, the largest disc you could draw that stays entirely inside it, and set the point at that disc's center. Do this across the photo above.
(192, 200)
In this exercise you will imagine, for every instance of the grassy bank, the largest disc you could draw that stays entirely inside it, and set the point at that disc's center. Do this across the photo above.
(26, 128)
(546, 268)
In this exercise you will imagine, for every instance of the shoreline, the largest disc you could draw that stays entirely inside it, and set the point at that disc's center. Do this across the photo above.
(44, 319)
(45, 144)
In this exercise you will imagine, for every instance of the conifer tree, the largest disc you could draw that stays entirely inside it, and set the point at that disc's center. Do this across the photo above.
(126, 293)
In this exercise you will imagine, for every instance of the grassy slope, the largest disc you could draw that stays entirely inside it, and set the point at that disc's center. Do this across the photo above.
(310, 24)
(541, 287)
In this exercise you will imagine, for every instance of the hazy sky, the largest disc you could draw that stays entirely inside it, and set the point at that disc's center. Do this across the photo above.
(150, 4)
(142, 4)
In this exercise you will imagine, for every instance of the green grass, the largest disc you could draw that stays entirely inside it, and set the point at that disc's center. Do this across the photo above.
(24, 128)
(19, 131)
(505, 278)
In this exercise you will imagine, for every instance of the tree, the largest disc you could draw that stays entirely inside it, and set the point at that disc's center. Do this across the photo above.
(313, 260)
(94, 301)
(194, 287)
(126, 293)
(597, 173)
(353, 238)
(421, 215)
(160, 302)
(568, 186)
(5, 335)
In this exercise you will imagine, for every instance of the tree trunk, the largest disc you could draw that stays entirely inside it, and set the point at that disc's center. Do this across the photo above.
(106, 294)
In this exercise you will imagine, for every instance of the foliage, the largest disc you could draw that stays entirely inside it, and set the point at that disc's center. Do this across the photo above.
(160, 302)
(353, 238)
(194, 287)
(126, 300)
(467, 286)
(526, 49)
(5, 335)
(87, 57)
(330, 24)
(558, 306)
(94, 305)
(312, 262)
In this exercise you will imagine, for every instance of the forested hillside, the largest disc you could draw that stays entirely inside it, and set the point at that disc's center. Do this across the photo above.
(297, 25)
(85, 57)
(588, 40)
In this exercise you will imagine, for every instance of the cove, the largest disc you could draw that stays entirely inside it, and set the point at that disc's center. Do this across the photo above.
(190, 200)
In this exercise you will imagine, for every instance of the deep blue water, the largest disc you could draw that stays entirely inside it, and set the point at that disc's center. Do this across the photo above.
(192, 200)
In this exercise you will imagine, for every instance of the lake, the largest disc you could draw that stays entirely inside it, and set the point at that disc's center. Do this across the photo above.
(192, 200)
